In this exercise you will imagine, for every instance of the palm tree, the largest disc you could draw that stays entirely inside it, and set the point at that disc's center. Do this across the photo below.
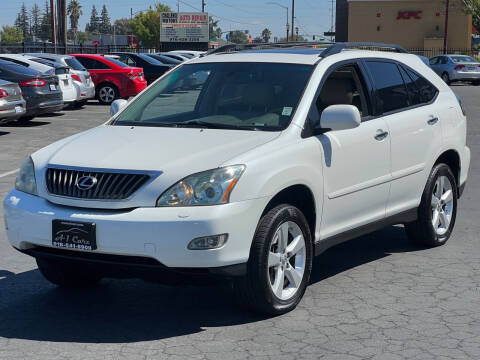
(74, 11)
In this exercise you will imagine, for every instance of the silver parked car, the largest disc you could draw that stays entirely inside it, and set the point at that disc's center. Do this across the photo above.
(456, 68)
(12, 104)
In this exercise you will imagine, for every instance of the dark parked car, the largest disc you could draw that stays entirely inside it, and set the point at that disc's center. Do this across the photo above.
(165, 59)
(41, 92)
(152, 68)
(12, 105)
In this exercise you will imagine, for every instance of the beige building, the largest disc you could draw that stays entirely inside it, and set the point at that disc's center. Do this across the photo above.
(412, 24)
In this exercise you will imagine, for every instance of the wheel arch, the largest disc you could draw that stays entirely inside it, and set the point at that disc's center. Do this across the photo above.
(451, 158)
(300, 196)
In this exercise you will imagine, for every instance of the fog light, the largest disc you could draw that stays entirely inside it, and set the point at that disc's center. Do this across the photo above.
(208, 242)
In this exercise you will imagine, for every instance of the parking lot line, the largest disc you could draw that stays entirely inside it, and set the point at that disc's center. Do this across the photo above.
(9, 173)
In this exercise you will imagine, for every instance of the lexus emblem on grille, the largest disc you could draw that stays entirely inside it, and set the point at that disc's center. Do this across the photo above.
(86, 182)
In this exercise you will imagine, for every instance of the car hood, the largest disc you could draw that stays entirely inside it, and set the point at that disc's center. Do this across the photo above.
(170, 153)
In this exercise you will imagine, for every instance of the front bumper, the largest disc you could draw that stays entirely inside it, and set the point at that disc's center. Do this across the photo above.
(159, 233)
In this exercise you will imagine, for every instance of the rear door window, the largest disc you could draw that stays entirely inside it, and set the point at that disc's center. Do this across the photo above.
(391, 90)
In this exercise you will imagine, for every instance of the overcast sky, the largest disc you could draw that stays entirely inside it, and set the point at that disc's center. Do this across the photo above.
(312, 16)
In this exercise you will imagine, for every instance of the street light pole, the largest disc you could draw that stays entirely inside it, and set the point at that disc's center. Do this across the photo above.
(293, 18)
(445, 36)
(286, 8)
(203, 6)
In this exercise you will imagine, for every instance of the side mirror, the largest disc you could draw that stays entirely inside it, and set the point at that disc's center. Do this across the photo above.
(117, 105)
(340, 117)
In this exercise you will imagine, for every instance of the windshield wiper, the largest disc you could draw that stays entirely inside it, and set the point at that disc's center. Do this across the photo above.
(210, 125)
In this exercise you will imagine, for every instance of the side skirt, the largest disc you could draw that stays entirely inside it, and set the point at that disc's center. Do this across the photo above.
(401, 218)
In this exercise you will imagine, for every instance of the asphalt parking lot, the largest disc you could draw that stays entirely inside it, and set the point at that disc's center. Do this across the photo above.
(376, 297)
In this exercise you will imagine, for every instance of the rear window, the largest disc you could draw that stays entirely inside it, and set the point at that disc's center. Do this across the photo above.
(74, 64)
(117, 62)
(18, 69)
(463, 59)
(149, 59)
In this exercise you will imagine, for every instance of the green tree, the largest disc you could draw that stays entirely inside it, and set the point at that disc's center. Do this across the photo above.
(238, 37)
(83, 36)
(35, 21)
(122, 26)
(299, 38)
(94, 25)
(23, 22)
(146, 26)
(266, 35)
(214, 30)
(473, 7)
(45, 30)
(11, 35)
(105, 25)
(74, 11)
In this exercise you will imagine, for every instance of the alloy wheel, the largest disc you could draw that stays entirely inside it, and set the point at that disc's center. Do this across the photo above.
(286, 260)
(442, 205)
(107, 94)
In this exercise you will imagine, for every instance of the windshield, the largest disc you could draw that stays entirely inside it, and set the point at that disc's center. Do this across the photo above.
(463, 59)
(75, 64)
(247, 96)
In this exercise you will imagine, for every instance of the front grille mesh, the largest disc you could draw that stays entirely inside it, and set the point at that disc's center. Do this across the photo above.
(109, 185)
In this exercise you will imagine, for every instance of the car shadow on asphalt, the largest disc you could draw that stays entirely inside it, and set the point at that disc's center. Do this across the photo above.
(4, 132)
(131, 310)
(27, 124)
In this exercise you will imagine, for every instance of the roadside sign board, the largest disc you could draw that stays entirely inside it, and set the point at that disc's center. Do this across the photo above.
(184, 27)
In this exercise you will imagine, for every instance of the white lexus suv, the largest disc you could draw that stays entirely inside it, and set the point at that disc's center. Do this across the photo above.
(245, 164)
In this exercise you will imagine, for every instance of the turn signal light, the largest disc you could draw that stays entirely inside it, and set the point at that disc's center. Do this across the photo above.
(3, 93)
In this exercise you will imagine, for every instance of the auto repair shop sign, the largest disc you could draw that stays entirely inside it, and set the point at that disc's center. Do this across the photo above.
(184, 27)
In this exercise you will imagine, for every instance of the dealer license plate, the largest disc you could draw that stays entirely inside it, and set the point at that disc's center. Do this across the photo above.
(74, 235)
(53, 87)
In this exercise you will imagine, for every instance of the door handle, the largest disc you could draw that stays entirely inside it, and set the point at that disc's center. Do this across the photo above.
(381, 135)
(432, 121)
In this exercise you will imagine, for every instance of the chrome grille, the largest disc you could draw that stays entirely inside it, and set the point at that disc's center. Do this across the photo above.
(108, 185)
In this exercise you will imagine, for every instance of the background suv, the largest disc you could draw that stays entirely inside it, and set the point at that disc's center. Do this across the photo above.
(112, 78)
(246, 164)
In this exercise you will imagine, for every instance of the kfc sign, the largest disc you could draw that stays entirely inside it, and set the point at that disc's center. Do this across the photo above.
(407, 15)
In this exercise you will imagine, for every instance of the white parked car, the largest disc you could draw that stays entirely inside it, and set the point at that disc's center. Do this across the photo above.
(247, 165)
(62, 73)
(82, 81)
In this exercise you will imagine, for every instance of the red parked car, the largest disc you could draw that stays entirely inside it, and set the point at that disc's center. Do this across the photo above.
(112, 78)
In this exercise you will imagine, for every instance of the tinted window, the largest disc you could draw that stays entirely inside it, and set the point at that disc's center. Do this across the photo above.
(74, 64)
(463, 59)
(434, 61)
(427, 91)
(18, 69)
(92, 64)
(391, 91)
(443, 60)
(116, 62)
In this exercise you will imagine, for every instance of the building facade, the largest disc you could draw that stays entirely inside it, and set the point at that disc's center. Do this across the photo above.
(411, 24)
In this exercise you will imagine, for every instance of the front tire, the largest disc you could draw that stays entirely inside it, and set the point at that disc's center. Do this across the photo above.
(67, 274)
(446, 78)
(438, 209)
(280, 262)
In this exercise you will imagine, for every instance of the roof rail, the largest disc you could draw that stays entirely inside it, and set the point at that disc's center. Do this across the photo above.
(339, 47)
(231, 48)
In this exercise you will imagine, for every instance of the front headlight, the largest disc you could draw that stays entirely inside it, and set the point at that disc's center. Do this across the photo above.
(26, 178)
(211, 187)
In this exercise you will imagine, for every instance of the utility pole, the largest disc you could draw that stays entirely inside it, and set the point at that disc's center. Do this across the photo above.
(445, 36)
(62, 24)
(293, 18)
(53, 27)
(178, 6)
(331, 28)
(131, 13)
(203, 6)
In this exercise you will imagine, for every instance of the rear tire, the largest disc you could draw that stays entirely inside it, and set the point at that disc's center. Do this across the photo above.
(107, 93)
(446, 78)
(476, 82)
(67, 274)
(280, 263)
(437, 211)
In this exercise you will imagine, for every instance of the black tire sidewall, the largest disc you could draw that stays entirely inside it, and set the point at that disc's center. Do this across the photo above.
(258, 265)
(115, 89)
(426, 215)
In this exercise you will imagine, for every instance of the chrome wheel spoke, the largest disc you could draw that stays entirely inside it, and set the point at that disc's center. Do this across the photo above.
(435, 201)
(293, 276)
(283, 237)
(295, 246)
(279, 283)
(447, 196)
(444, 222)
(436, 218)
(274, 259)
